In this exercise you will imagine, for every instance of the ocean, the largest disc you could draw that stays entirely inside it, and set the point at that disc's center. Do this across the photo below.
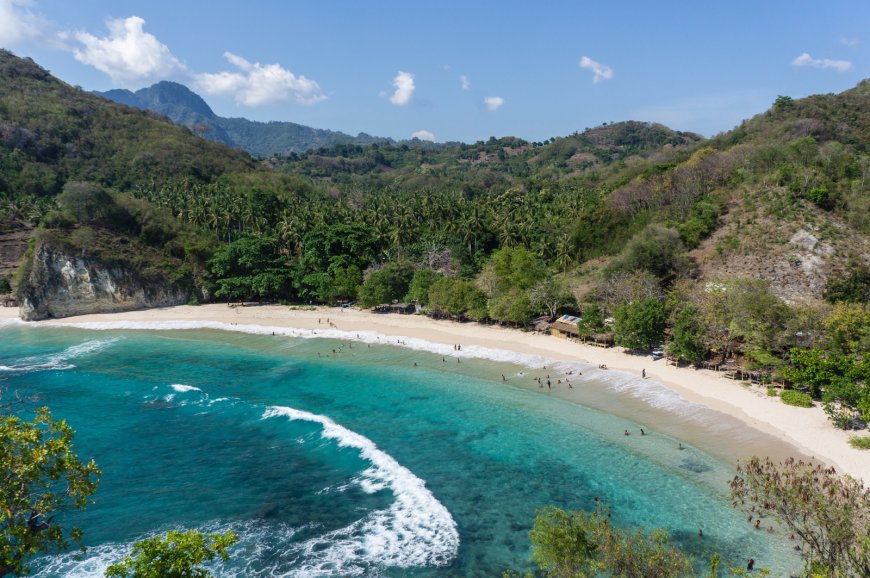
(338, 457)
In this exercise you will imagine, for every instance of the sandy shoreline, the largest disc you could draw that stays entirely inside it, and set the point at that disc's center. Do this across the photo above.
(807, 430)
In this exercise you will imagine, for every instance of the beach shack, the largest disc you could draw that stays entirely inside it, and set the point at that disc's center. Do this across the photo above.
(541, 324)
(403, 308)
(602, 339)
(565, 327)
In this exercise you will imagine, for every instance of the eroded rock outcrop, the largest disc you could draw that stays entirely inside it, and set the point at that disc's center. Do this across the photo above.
(61, 284)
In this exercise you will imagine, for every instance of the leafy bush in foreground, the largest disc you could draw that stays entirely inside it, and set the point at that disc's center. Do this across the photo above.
(796, 398)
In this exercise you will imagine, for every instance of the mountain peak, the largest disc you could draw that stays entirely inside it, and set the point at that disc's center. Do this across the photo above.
(184, 107)
(172, 94)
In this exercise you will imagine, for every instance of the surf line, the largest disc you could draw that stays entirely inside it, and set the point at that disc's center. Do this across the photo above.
(59, 360)
(417, 530)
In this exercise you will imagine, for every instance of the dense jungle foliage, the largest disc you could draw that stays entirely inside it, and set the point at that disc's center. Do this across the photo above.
(608, 223)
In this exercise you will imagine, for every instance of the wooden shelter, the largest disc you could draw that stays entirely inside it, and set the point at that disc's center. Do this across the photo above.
(565, 327)
(403, 308)
(603, 339)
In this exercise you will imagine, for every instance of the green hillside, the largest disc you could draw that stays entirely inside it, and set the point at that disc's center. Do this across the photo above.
(52, 132)
(751, 247)
(54, 137)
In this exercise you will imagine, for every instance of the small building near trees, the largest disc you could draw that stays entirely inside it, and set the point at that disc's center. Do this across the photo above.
(404, 308)
(565, 327)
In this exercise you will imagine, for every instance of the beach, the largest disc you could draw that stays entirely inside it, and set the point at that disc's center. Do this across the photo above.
(807, 431)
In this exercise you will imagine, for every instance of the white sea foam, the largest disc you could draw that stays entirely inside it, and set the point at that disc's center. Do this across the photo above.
(257, 541)
(197, 396)
(61, 360)
(181, 388)
(652, 393)
(417, 530)
(12, 321)
(372, 337)
(92, 565)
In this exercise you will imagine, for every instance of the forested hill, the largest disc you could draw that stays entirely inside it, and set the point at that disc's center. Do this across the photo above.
(782, 197)
(69, 161)
(606, 149)
(262, 139)
(51, 133)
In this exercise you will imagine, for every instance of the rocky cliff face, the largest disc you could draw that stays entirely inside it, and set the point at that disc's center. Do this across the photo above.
(60, 284)
(13, 244)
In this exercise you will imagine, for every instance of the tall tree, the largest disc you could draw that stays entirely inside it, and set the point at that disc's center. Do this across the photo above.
(640, 324)
(688, 336)
(827, 512)
(41, 478)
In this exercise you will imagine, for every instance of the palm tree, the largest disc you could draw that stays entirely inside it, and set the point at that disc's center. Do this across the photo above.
(563, 252)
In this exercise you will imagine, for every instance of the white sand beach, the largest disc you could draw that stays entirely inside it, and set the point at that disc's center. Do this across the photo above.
(808, 431)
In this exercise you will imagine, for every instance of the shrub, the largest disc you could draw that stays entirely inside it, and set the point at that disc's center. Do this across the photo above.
(390, 283)
(5, 286)
(656, 249)
(796, 398)
(841, 417)
(772, 391)
(860, 443)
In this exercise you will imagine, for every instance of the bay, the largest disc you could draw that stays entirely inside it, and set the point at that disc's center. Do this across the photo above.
(338, 458)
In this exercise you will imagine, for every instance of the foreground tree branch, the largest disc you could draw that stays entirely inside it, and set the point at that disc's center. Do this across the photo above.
(829, 513)
(40, 476)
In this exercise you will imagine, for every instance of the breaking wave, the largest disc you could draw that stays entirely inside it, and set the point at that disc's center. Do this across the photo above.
(417, 530)
(61, 360)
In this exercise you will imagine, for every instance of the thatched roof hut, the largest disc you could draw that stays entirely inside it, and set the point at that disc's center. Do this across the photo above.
(404, 308)
(541, 324)
(603, 339)
(565, 327)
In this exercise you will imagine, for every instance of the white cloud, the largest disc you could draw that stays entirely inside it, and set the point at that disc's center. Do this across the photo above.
(850, 42)
(806, 60)
(600, 71)
(404, 85)
(258, 84)
(493, 103)
(423, 135)
(466, 84)
(18, 24)
(129, 55)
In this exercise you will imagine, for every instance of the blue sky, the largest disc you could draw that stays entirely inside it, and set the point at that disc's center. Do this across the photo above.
(454, 70)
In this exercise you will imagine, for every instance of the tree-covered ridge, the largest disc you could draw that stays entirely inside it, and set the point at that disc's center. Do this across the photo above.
(51, 133)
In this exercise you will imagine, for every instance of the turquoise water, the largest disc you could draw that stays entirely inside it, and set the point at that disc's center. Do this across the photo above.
(373, 460)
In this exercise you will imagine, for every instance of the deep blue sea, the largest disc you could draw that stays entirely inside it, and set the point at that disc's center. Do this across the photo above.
(333, 458)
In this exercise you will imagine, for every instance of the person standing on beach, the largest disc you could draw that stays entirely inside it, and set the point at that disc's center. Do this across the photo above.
(643, 373)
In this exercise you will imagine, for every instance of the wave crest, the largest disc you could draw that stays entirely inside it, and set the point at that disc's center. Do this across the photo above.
(417, 530)
(59, 361)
